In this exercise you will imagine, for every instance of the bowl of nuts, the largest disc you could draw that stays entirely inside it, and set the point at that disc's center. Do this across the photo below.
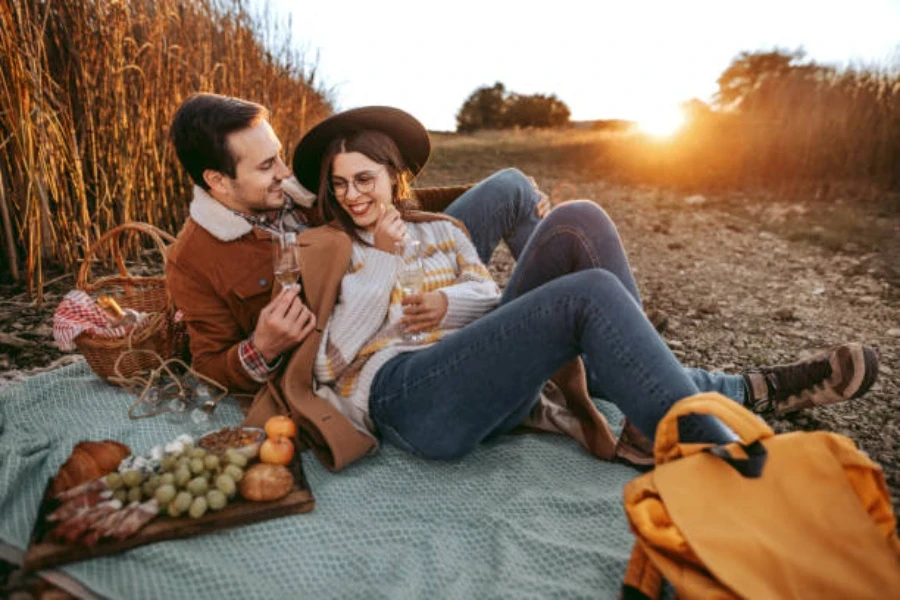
(245, 440)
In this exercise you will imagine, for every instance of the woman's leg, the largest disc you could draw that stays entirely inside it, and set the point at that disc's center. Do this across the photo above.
(442, 401)
(580, 235)
(499, 207)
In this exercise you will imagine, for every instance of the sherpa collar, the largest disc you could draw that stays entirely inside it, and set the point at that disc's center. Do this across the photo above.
(216, 218)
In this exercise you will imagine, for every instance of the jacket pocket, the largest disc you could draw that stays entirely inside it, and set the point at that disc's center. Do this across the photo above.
(250, 295)
(259, 283)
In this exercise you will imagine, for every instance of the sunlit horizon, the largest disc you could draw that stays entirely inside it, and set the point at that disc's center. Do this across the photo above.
(662, 122)
(605, 60)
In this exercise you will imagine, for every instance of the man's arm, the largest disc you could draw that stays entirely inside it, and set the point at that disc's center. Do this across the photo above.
(216, 339)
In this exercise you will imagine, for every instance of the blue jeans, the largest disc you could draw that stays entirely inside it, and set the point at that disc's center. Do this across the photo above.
(574, 236)
(580, 235)
(572, 294)
(501, 206)
(442, 401)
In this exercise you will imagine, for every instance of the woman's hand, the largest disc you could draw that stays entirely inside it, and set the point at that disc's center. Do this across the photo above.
(389, 229)
(423, 311)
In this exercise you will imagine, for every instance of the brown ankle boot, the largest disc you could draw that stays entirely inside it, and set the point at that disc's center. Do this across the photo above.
(843, 373)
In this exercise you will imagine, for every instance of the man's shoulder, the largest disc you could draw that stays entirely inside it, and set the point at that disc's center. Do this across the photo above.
(190, 238)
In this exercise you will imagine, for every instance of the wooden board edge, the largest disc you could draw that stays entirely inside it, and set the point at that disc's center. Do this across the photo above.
(44, 555)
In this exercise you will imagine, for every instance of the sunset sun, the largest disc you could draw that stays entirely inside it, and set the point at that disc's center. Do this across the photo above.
(662, 122)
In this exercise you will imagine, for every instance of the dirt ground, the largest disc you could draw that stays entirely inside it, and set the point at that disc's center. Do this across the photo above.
(740, 287)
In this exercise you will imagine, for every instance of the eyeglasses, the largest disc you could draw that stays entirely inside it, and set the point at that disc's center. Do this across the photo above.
(363, 182)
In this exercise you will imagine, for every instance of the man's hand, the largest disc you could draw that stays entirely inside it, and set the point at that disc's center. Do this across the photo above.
(389, 229)
(422, 312)
(543, 205)
(283, 323)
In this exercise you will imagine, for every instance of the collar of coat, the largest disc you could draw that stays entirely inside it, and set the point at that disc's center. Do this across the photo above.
(216, 218)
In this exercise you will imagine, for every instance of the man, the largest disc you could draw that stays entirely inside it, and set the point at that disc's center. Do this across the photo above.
(220, 269)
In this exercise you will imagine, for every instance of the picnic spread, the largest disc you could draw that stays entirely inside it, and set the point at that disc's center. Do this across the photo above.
(525, 516)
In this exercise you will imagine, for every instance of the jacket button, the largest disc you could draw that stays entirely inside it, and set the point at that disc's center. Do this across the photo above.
(263, 283)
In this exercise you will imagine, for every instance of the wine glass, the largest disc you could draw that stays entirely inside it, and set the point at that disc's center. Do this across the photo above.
(411, 276)
(286, 259)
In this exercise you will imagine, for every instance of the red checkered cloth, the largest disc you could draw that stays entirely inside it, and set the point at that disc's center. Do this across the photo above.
(77, 313)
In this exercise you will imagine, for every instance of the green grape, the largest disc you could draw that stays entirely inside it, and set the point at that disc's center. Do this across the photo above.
(198, 507)
(234, 472)
(173, 509)
(225, 483)
(132, 478)
(196, 453)
(197, 466)
(234, 457)
(114, 481)
(135, 494)
(121, 495)
(216, 499)
(168, 463)
(211, 462)
(165, 494)
(197, 486)
(183, 501)
(183, 461)
(149, 488)
(167, 479)
(182, 476)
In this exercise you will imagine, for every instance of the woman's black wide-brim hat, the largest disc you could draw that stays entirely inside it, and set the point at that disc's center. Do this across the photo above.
(407, 132)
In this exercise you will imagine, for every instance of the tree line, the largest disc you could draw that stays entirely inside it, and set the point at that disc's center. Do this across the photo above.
(493, 107)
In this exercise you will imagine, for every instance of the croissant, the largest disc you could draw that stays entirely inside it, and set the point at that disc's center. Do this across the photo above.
(89, 460)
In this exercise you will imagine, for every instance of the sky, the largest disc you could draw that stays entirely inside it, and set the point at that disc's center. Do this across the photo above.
(628, 59)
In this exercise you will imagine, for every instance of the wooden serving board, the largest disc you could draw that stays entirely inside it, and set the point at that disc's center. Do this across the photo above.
(43, 554)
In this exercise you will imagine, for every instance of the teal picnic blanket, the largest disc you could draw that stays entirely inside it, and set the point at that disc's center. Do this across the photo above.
(527, 516)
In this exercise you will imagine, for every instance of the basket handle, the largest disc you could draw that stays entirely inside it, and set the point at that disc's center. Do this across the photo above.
(160, 237)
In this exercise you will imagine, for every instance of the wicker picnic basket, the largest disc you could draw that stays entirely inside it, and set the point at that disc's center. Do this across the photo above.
(158, 334)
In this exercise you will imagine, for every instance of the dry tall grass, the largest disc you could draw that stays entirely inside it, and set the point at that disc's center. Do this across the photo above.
(87, 90)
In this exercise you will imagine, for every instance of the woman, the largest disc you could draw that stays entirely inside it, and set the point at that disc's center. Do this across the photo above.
(480, 369)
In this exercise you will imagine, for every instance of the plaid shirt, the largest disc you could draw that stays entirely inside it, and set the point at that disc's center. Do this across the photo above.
(286, 220)
(253, 362)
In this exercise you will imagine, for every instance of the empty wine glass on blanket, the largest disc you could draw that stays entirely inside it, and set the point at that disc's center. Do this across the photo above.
(411, 277)
(287, 260)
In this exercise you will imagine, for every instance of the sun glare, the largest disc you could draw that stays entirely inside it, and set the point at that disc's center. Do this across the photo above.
(662, 123)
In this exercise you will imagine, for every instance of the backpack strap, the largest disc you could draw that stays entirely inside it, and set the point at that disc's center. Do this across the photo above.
(643, 581)
(745, 424)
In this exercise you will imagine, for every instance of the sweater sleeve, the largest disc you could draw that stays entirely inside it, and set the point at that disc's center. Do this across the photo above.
(360, 312)
(475, 292)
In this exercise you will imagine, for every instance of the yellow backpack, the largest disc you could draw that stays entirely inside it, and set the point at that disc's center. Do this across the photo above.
(798, 515)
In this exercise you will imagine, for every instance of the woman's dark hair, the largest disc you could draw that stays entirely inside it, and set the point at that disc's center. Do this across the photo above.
(378, 147)
(200, 128)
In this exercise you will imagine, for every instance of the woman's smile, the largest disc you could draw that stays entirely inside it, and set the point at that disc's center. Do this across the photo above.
(359, 209)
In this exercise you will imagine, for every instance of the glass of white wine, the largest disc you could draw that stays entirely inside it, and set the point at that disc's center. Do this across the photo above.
(287, 260)
(411, 276)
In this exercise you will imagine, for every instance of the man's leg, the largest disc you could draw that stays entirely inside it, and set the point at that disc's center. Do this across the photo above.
(500, 207)
(581, 235)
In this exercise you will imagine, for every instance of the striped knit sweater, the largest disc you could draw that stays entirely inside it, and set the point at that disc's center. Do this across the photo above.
(364, 332)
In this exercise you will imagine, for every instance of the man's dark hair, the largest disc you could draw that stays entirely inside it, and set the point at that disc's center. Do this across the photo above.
(200, 127)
